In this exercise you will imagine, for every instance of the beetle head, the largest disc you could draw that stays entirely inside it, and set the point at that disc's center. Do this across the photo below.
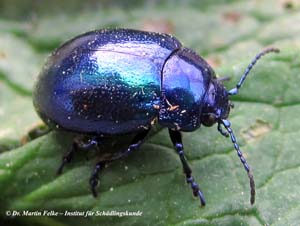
(216, 110)
(216, 104)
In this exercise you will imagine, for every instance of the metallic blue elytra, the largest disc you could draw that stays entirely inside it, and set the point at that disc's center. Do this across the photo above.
(104, 82)
(111, 82)
(120, 81)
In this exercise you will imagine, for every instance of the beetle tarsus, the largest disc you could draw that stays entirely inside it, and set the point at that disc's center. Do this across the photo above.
(202, 199)
(196, 190)
(94, 180)
(177, 142)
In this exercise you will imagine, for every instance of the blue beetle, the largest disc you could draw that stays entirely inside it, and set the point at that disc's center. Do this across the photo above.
(119, 81)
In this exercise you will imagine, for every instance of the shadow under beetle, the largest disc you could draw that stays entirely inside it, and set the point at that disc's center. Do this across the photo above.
(120, 81)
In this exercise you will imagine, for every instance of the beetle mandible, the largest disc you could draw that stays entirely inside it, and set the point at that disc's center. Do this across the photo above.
(121, 81)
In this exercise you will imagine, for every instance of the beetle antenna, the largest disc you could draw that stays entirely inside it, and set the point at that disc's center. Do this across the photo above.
(226, 124)
(235, 90)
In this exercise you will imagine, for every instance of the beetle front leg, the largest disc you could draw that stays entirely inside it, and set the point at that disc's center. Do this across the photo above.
(177, 142)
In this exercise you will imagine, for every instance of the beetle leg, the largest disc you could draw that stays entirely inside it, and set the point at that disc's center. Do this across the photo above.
(177, 142)
(134, 144)
(67, 157)
(88, 145)
(78, 144)
(95, 177)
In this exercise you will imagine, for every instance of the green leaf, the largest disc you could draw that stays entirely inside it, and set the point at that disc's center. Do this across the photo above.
(150, 180)
(15, 54)
(16, 115)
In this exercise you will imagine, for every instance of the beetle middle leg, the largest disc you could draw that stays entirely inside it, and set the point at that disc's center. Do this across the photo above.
(177, 142)
(134, 144)
(94, 179)
(78, 144)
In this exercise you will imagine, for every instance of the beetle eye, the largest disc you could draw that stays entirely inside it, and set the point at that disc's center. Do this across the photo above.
(208, 119)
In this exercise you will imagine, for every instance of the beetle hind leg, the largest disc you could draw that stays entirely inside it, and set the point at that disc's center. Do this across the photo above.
(177, 142)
